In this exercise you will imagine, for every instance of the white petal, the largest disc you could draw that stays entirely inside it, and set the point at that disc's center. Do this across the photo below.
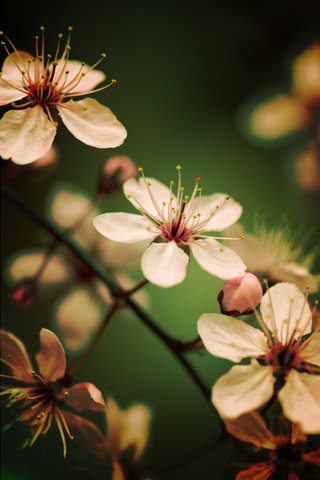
(244, 388)
(25, 135)
(140, 195)
(294, 273)
(284, 306)
(217, 259)
(164, 264)
(11, 70)
(8, 93)
(311, 353)
(228, 213)
(87, 83)
(230, 338)
(92, 123)
(123, 227)
(300, 400)
(117, 255)
(78, 315)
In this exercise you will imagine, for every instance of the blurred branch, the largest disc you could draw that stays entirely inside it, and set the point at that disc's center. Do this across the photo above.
(116, 291)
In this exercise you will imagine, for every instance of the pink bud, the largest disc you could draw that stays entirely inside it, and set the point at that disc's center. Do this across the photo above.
(240, 295)
(115, 171)
(24, 294)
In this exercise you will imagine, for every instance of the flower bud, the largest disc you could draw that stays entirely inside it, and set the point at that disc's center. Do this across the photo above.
(24, 294)
(115, 171)
(240, 295)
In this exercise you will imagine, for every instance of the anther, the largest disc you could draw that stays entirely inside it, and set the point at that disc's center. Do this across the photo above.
(149, 183)
(68, 47)
(42, 29)
(70, 29)
(113, 81)
(66, 394)
(48, 56)
(316, 302)
(103, 55)
(178, 167)
(227, 198)
(10, 355)
(197, 179)
(83, 74)
(265, 280)
(181, 189)
(128, 196)
(199, 190)
(172, 182)
(60, 35)
(33, 372)
(36, 37)
(140, 169)
(241, 237)
(164, 203)
(217, 206)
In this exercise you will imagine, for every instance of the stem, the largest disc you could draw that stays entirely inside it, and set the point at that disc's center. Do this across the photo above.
(137, 287)
(115, 289)
(94, 342)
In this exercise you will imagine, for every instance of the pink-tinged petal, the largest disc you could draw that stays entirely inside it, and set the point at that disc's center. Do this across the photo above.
(306, 73)
(312, 457)
(293, 476)
(12, 62)
(164, 264)
(227, 337)
(123, 227)
(25, 135)
(260, 471)
(8, 93)
(14, 354)
(51, 358)
(311, 353)
(285, 306)
(216, 259)
(86, 434)
(240, 295)
(244, 388)
(280, 116)
(294, 273)
(251, 427)
(300, 400)
(297, 435)
(227, 214)
(85, 396)
(250, 249)
(140, 195)
(92, 123)
(78, 315)
(87, 82)
(27, 264)
(68, 207)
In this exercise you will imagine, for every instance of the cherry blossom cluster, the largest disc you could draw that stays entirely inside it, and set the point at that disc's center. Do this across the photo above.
(85, 272)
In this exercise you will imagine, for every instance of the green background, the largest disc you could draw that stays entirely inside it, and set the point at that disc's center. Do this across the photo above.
(184, 73)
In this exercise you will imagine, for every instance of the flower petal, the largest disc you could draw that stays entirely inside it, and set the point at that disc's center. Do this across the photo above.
(251, 427)
(85, 396)
(10, 66)
(18, 361)
(311, 353)
(228, 213)
(87, 82)
(123, 227)
(260, 471)
(280, 116)
(26, 264)
(8, 93)
(87, 434)
(164, 264)
(78, 315)
(285, 308)
(217, 259)
(51, 358)
(312, 457)
(306, 73)
(250, 249)
(140, 195)
(25, 135)
(227, 337)
(135, 433)
(244, 388)
(300, 400)
(117, 255)
(294, 273)
(92, 123)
